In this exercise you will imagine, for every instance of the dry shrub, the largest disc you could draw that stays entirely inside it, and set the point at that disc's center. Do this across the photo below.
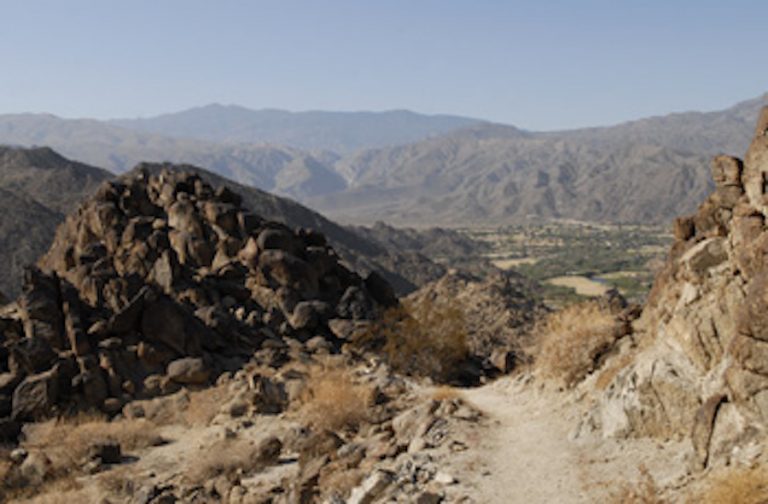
(574, 340)
(204, 405)
(645, 491)
(332, 400)
(446, 393)
(65, 443)
(61, 492)
(225, 458)
(424, 338)
(742, 485)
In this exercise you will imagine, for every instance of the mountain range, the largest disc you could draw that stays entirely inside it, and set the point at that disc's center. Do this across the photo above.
(340, 132)
(412, 169)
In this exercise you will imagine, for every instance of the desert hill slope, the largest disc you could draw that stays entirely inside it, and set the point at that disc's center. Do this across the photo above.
(466, 179)
(117, 149)
(38, 188)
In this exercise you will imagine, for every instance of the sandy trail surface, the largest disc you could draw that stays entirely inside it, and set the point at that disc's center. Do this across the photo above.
(529, 454)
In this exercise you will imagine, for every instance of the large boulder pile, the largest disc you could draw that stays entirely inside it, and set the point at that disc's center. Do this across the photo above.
(701, 363)
(161, 281)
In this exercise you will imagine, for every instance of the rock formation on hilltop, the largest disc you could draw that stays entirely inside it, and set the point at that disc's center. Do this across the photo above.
(160, 280)
(701, 365)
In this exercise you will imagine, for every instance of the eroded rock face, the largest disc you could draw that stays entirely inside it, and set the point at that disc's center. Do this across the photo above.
(702, 365)
(159, 282)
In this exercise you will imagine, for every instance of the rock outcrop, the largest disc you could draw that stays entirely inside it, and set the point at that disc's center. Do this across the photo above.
(701, 363)
(160, 281)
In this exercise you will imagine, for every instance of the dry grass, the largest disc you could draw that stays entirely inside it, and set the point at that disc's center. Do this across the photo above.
(446, 393)
(333, 400)
(204, 405)
(225, 458)
(574, 340)
(742, 485)
(66, 443)
(61, 492)
(424, 338)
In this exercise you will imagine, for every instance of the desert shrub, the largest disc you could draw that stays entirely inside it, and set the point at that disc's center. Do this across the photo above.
(225, 458)
(332, 400)
(743, 485)
(574, 340)
(424, 338)
(65, 443)
(204, 405)
(446, 393)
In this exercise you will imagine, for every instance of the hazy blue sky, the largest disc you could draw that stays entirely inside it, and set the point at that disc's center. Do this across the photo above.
(537, 64)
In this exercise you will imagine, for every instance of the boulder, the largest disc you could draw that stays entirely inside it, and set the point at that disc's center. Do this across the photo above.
(36, 396)
(189, 371)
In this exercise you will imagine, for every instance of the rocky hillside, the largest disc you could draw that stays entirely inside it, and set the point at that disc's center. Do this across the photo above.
(44, 186)
(404, 267)
(160, 280)
(699, 367)
(38, 187)
(473, 179)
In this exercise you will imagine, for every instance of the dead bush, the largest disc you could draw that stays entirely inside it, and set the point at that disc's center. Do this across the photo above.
(225, 458)
(573, 341)
(332, 400)
(446, 393)
(65, 444)
(743, 485)
(204, 405)
(424, 338)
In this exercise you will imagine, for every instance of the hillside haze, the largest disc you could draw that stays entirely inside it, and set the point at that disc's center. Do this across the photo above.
(472, 173)
(341, 132)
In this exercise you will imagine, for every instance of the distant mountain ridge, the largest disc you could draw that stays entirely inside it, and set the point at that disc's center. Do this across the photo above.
(480, 173)
(341, 132)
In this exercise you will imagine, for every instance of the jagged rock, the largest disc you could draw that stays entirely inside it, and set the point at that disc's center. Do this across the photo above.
(36, 396)
(701, 370)
(371, 489)
(158, 281)
(39, 305)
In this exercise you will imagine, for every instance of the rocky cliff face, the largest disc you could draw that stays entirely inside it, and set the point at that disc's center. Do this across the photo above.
(701, 363)
(159, 281)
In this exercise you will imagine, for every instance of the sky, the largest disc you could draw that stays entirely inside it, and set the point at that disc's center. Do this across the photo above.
(539, 65)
